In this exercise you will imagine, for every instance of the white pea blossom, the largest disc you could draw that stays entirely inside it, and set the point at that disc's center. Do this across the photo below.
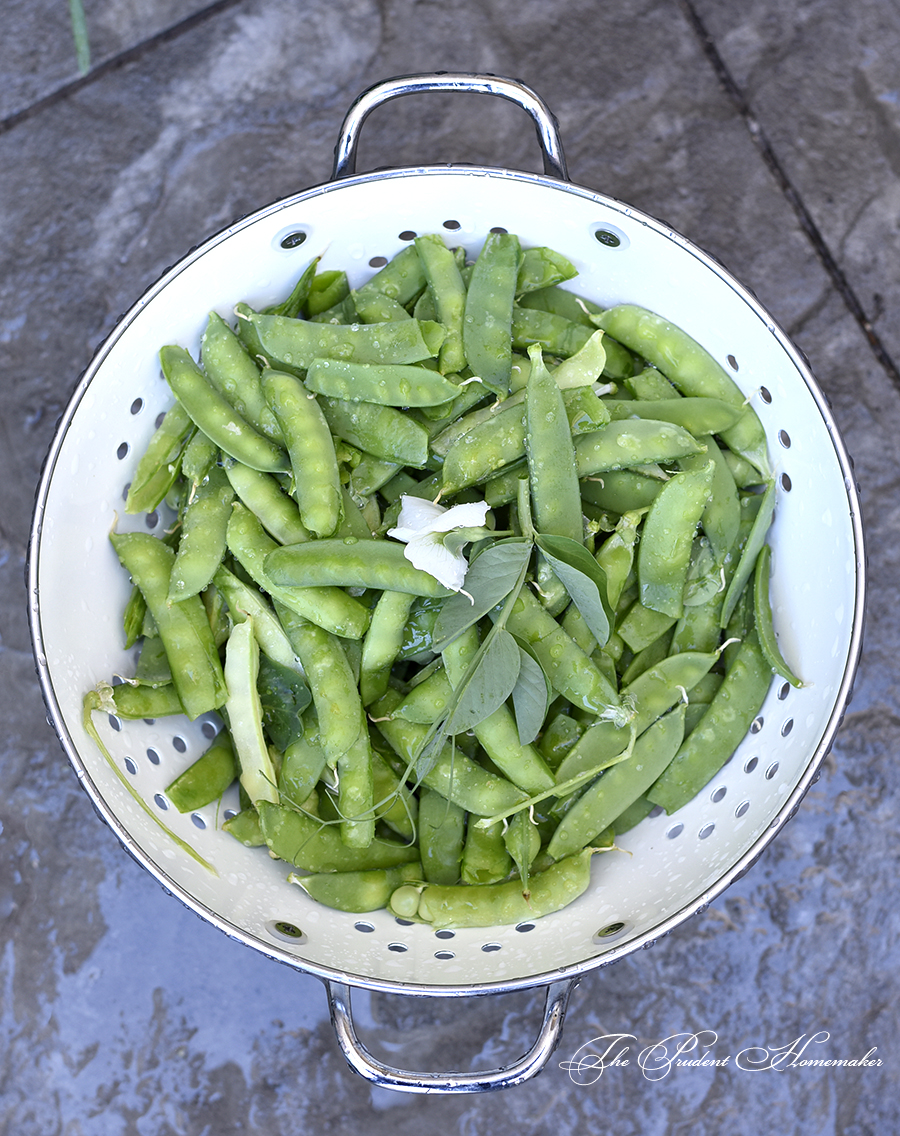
(434, 536)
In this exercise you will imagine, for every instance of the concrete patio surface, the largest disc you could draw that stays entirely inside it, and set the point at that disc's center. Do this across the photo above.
(766, 132)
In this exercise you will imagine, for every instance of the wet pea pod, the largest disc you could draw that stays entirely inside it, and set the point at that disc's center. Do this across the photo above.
(381, 383)
(310, 445)
(231, 371)
(619, 786)
(668, 534)
(360, 891)
(329, 607)
(202, 545)
(488, 316)
(631, 443)
(448, 293)
(183, 628)
(293, 344)
(714, 739)
(382, 431)
(497, 904)
(442, 833)
(160, 464)
(485, 859)
(206, 779)
(264, 496)
(762, 618)
(316, 846)
(215, 415)
(555, 492)
(691, 369)
(383, 642)
(351, 563)
(696, 415)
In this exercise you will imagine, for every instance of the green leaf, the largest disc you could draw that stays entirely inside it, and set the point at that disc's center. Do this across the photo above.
(284, 696)
(490, 578)
(531, 696)
(487, 685)
(583, 579)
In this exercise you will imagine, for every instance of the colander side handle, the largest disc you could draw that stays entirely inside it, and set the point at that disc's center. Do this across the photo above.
(389, 1077)
(510, 89)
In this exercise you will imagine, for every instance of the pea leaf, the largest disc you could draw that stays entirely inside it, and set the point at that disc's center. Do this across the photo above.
(531, 696)
(284, 696)
(488, 684)
(583, 579)
(490, 578)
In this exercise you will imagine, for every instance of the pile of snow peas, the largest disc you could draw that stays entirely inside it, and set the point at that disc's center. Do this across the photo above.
(474, 573)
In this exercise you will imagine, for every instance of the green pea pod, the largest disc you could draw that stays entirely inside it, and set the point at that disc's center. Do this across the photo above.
(310, 445)
(331, 608)
(712, 742)
(621, 491)
(382, 643)
(762, 618)
(383, 431)
(485, 858)
(750, 552)
(696, 415)
(316, 847)
(379, 564)
(555, 493)
(401, 279)
(262, 494)
(293, 345)
(555, 334)
(160, 463)
(359, 891)
(449, 295)
(542, 268)
(183, 628)
(231, 370)
(215, 416)
(206, 779)
(691, 369)
(632, 443)
(489, 311)
(133, 702)
(620, 786)
(489, 905)
(202, 544)
(385, 384)
(442, 830)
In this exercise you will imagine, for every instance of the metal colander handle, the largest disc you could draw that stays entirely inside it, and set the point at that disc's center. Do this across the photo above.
(389, 1077)
(509, 89)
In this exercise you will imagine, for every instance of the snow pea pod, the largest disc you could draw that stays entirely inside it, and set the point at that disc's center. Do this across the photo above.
(762, 618)
(215, 416)
(665, 548)
(160, 463)
(316, 847)
(395, 384)
(382, 643)
(382, 431)
(206, 779)
(293, 345)
(488, 905)
(379, 564)
(691, 369)
(712, 742)
(489, 306)
(555, 493)
(620, 786)
(183, 628)
(442, 832)
(358, 891)
(696, 415)
(244, 711)
(330, 608)
(448, 292)
(202, 544)
(262, 494)
(631, 443)
(310, 446)
(231, 370)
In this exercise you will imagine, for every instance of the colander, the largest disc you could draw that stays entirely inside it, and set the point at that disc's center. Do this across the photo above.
(679, 863)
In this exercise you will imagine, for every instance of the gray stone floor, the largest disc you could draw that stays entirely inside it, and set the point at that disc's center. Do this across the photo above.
(768, 133)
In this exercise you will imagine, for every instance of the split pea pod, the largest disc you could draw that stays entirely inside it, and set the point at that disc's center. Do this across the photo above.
(489, 905)
(257, 772)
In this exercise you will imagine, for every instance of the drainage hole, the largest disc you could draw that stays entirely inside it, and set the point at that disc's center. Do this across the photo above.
(179, 744)
(765, 394)
(293, 240)
(153, 757)
(784, 691)
(444, 934)
(122, 451)
(198, 820)
(130, 766)
(378, 262)
(786, 483)
(524, 927)
(444, 955)
(611, 929)
(605, 237)
(366, 928)
(733, 363)
(137, 406)
(751, 764)
(757, 724)
(785, 439)
(787, 727)
(452, 225)
(772, 770)
(718, 794)
(742, 808)
(706, 830)
(489, 947)
(399, 948)
(675, 831)
(161, 801)
(408, 235)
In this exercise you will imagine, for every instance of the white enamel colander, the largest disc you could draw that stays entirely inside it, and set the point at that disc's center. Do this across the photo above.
(680, 862)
